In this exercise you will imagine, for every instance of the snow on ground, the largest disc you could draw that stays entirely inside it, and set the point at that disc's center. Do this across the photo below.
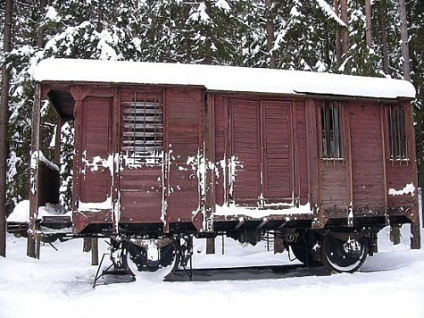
(390, 284)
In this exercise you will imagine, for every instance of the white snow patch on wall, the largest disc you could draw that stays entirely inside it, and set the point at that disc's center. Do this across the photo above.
(286, 209)
(408, 189)
(98, 162)
(95, 206)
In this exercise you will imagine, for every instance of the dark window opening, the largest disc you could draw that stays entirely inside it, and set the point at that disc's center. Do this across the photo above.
(397, 133)
(331, 132)
(142, 139)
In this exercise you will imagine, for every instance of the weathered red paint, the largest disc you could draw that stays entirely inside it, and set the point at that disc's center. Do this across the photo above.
(273, 141)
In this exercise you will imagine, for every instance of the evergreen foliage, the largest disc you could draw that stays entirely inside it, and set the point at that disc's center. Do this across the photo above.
(227, 32)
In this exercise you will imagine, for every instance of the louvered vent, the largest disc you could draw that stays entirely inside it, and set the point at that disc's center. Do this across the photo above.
(142, 141)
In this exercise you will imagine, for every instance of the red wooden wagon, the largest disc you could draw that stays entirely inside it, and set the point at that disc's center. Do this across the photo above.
(166, 151)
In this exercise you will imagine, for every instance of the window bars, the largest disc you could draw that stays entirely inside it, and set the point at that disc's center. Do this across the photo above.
(331, 132)
(142, 140)
(397, 133)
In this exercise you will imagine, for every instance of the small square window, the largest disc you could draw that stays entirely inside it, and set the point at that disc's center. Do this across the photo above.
(331, 131)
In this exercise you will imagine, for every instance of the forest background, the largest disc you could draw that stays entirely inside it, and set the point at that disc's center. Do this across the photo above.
(359, 37)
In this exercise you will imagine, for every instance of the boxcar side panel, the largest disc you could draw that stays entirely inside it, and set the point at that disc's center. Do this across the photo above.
(277, 154)
(261, 152)
(97, 119)
(92, 173)
(334, 173)
(334, 189)
(402, 173)
(184, 109)
(367, 159)
(246, 152)
(141, 153)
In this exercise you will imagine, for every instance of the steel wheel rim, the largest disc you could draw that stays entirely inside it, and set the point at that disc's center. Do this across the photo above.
(343, 256)
(137, 264)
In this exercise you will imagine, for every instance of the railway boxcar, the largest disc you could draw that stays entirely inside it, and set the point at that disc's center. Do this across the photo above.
(163, 152)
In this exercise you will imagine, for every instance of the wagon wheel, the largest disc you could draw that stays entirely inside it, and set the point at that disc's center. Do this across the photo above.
(143, 262)
(305, 248)
(343, 256)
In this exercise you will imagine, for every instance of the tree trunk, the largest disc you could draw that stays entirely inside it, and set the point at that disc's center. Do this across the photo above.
(368, 32)
(383, 30)
(33, 239)
(40, 37)
(404, 38)
(270, 33)
(208, 58)
(345, 31)
(415, 227)
(342, 34)
(4, 119)
(338, 36)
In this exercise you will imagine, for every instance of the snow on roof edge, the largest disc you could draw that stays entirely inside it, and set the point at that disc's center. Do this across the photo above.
(222, 78)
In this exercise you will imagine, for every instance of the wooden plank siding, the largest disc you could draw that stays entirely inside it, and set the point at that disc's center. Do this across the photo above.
(302, 152)
(266, 141)
(272, 144)
(367, 159)
(246, 150)
(277, 152)
(185, 137)
(96, 142)
(220, 139)
(140, 186)
(402, 173)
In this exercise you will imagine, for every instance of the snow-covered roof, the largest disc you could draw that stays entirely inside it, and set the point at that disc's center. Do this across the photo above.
(221, 78)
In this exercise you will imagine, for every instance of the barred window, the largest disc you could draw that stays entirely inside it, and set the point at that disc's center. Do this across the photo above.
(397, 133)
(331, 132)
(142, 141)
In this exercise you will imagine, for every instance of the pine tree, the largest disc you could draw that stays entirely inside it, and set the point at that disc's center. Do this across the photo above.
(416, 46)
(4, 116)
(228, 32)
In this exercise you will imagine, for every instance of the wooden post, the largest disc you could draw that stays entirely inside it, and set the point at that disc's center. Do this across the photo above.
(86, 245)
(57, 142)
(278, 243)
(210, 245)
(92, 245)
(33, 241)
(94, 251)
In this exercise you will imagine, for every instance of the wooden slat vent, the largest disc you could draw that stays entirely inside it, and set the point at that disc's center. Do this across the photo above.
(142, 139)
